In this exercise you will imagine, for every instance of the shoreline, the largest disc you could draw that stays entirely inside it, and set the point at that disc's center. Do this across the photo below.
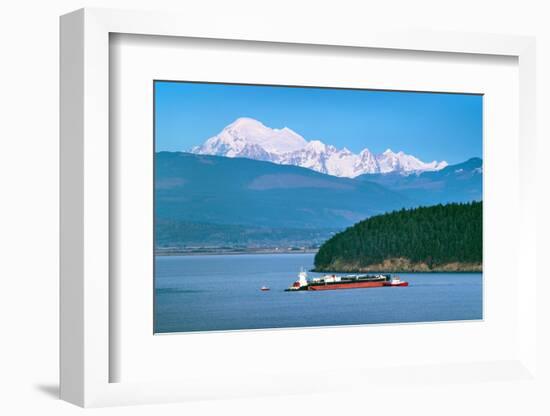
(168, 253)
(400, 267)
(403, 267)
(400, 271)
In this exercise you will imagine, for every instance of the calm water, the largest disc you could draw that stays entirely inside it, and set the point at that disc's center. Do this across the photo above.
(203, 293)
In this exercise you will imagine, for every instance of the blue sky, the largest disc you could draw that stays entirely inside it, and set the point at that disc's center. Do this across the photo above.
(427, 125)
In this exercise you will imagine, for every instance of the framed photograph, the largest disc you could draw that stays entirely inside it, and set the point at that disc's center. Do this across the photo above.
(246, 207)
(278, 212)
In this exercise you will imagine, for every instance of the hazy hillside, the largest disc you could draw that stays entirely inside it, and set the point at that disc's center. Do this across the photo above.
(238, 191)
(437, 238)
(462, 182)
(193, 234)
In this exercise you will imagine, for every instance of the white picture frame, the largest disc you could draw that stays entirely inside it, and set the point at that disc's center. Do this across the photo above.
(86, 261)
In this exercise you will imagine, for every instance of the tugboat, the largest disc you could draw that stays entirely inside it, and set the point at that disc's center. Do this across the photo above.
(395, 281)
(351, 281)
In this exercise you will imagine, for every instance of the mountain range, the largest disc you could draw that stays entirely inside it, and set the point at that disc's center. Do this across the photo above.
(462, 182)
(255, 186)
(240, 191)
(249, 138)
(208, 200)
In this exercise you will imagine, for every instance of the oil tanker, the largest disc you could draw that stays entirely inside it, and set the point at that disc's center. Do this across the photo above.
(350, 281)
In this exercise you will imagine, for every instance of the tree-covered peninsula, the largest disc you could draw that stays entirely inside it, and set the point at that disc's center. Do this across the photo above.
(440, 238)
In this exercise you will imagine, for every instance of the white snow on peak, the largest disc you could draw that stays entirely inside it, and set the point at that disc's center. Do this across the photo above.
(249, 138)
(316, 146)
(390, 161)
(249, 131)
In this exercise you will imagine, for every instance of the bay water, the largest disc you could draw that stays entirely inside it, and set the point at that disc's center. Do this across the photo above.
(222, 292)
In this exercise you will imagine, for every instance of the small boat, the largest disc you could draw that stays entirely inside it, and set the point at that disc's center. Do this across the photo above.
(264, 288)
(395, 281)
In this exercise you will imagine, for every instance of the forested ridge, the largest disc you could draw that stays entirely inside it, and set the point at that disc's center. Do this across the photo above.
(436, 238)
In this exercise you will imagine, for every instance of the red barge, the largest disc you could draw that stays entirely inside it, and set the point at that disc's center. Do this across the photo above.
(351, 281)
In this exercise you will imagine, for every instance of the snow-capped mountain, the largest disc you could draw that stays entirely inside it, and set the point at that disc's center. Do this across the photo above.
(401, 162)
(249, 138)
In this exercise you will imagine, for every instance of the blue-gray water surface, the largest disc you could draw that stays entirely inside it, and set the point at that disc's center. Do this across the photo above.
(222, 292)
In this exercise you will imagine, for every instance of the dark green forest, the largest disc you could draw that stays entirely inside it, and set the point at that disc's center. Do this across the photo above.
(436, 238)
